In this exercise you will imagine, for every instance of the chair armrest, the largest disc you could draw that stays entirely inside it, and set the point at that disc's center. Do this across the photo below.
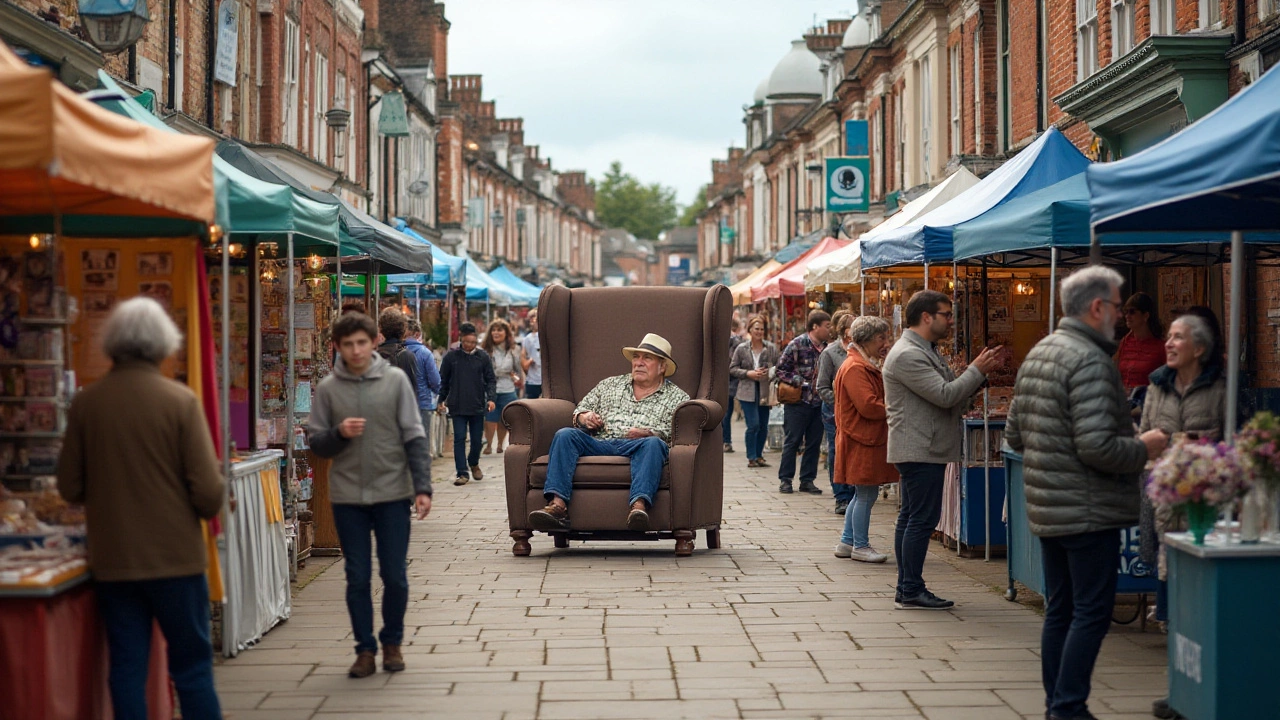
(535, 422)
(692, 418)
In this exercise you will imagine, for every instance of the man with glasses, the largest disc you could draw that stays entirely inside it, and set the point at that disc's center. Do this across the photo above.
(925, 402)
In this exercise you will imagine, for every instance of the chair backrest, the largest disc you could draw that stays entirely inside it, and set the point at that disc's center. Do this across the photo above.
(584, 330)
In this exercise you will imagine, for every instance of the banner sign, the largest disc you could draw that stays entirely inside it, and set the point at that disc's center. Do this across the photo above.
(224, 66)
(847, 186)
(855, 138)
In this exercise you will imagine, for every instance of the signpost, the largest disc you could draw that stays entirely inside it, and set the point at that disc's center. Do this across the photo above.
(847, 184)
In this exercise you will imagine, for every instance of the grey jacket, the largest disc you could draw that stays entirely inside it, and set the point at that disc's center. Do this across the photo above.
(742, 362)
(389, 461)
(1070, 420)
(829, 363)
(925, 402)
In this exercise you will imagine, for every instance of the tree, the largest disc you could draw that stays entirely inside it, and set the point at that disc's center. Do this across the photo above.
(644, 210)
(690, 216)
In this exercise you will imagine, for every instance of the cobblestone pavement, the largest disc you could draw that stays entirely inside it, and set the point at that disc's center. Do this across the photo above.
(770, 626)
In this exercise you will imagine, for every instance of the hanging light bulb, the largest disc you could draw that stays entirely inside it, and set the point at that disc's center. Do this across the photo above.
(315, 262)
(235, 250)
(38, 241)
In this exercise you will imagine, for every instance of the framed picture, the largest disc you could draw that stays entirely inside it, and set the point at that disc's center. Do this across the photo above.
(153, 264)
(161, 292)
(99, 260)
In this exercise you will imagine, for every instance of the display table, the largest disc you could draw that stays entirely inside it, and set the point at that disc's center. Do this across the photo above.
(1224, 628)
(53, 656)
(254, 553)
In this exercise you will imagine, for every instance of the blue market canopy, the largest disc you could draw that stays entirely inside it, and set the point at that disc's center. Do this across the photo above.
(1050, 159)
(522, 293)
(447, 269)
(254, 206)
(379, 247)
(1221, 173)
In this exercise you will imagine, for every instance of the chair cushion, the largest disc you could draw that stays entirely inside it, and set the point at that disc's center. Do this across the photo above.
(605, 472)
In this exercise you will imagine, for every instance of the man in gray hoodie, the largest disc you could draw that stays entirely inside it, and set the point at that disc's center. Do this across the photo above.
(365, 417)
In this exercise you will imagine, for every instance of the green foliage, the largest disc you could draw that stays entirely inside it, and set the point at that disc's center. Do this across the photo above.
(690, 216)
(644, 210)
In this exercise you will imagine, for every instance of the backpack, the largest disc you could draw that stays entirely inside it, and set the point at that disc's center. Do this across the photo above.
(393, 353)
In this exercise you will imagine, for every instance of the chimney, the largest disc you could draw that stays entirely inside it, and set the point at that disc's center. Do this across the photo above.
(576, 191)
(439, 45)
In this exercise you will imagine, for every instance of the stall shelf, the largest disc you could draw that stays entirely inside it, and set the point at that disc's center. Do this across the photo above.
(254, 558)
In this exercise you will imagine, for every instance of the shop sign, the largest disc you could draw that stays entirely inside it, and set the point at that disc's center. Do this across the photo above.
(727, 234)
(393, 119)
(224, 67)
(855, 138)
(847, 186)
(677, 270)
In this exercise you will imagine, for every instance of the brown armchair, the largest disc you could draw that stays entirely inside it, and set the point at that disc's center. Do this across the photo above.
(583, 332)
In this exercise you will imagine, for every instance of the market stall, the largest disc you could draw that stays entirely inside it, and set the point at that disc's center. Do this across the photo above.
(93, 208)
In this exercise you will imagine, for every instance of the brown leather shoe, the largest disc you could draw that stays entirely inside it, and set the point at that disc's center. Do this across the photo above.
(551, 517)
(365, 665)
(392, 660)
(475, 473)
(638, 520)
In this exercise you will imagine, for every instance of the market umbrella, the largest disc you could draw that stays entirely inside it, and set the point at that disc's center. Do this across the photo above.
(69, 166)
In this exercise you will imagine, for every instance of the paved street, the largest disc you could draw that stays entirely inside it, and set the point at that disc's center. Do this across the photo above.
(771, 626)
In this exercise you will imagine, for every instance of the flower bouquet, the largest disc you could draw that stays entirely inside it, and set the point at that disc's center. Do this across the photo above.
(1258, 443)
(1199, 477)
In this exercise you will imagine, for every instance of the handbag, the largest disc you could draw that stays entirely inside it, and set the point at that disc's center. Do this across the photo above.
(787, 393)
(770, 395)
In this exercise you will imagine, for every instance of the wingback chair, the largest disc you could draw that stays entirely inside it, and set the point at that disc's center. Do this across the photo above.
(582, 332)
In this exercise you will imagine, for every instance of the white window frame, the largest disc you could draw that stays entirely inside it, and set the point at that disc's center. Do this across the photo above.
(320, 130)
(877, 152)
(1266, 8)
(1211, 14)
(179, 75)
(1164, 16)
(927, 147)
(1123, 32)
(1086, 38)
(957, 91)
(292, 36)
(977, 92)
(900, 132)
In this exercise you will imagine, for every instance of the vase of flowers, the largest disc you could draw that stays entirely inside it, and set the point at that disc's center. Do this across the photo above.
(1198, 478)
(1259, 445)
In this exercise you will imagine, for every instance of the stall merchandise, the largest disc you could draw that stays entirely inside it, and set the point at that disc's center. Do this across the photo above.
(255, 556)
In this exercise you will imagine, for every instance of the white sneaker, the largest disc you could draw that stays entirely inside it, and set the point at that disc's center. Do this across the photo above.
(843, 550)
(868, 555)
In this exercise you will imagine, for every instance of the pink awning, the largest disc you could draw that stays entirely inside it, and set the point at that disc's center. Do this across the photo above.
(790, 279)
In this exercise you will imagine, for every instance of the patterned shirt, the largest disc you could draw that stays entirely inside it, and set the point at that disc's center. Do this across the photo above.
(799, 366)
(615, 401)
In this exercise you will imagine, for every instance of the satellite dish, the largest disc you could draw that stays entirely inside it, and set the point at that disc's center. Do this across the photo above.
(418, 187)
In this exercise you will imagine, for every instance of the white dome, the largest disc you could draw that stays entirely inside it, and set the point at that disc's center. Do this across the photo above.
(799, 72)
(859, 32)
(762, 90)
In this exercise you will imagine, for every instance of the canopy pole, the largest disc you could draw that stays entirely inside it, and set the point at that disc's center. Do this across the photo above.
(288, 371)
(1053, 287)
(1233, 342)
(926, 274)
(1095, 247)
(862, 294)
(224, 392)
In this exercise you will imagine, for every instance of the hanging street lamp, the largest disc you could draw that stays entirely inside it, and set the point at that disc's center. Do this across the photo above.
(114, 25)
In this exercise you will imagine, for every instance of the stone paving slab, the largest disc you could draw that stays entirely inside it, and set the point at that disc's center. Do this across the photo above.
(770, 626)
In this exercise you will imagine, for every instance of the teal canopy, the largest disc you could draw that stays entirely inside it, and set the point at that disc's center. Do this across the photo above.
(527, 293)
(251, 206)
(446, 269)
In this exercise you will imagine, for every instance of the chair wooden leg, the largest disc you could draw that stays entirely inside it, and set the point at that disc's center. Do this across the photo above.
(562, 540)
(713, 538)
(684, 542)
(520, 546)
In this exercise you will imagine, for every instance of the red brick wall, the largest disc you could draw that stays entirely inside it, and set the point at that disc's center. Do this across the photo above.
(1022, 70)
(449, 199)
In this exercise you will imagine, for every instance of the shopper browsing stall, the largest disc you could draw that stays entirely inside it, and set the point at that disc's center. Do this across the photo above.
(829, 363)
(1141, 350)
(500, 344)
(753, 364)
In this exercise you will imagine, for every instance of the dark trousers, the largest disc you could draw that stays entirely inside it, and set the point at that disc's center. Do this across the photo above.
(181, 607)
(921, 491)
(727, 423)
(843, 493)
(1080, 573)
(532, 391)
(388, 523)
(462, 424)
(427, 416)
(757, 419)
(800, 423)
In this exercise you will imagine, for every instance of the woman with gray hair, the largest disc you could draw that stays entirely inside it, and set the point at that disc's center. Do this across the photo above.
(138, 454)
(862, 439)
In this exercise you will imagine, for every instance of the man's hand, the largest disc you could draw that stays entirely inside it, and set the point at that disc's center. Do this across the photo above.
(422, 504)
(491, 406)
(636, 433)
(990, 360)
(590, 421)
(351, 428)
(441, 409)
(1156, 441)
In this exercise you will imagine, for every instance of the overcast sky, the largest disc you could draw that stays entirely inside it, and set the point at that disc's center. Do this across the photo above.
(658, 85)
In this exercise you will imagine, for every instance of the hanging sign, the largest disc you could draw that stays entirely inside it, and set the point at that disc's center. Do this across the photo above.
(393, 119)
(224, 66)
(847, 186)
(855, 138)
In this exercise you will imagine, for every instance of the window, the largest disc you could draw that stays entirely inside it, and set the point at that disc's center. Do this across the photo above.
(956, 90)
(290, 114)
(1164, 17)
(977, 92)
(900, 138)
(877, 152)
(1211, 13)
(1122, 28)
(1266, 8)
(926, 117)
(1003, 86)
(179, 76)
(320, 130)
(1086, 38)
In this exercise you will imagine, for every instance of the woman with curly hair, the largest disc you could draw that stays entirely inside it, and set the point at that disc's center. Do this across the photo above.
(500, 344)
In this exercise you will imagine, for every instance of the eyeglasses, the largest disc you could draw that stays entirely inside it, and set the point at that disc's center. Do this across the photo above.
(948, 314)
(1111, 302)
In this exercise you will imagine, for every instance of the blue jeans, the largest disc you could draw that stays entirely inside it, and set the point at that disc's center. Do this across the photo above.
(727, 423)
(921, 491)
(532, 391)
(463, 462)
(800, 422)
(648, 455)
(757, 418)
(843, 493)
(388, 522)
(1080, 573)
(857, 517)
(181, 606)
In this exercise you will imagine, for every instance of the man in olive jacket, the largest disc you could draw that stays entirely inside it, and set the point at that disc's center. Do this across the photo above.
(365, 416)
(1070, 420)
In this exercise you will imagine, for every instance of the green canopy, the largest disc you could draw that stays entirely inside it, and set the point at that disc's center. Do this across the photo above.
(253, 206)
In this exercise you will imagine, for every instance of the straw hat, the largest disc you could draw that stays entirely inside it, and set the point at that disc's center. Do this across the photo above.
(654, 345)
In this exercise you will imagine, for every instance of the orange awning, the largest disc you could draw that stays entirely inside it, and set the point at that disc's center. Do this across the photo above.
(60, 153)
(742, 289)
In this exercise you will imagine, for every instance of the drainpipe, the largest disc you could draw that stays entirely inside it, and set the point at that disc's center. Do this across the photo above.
(1240, 23)
(211, 30)
(1040, 89)
(173, 52)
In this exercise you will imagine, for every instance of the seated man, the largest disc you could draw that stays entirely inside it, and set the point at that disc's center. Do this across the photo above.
(628, 415)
